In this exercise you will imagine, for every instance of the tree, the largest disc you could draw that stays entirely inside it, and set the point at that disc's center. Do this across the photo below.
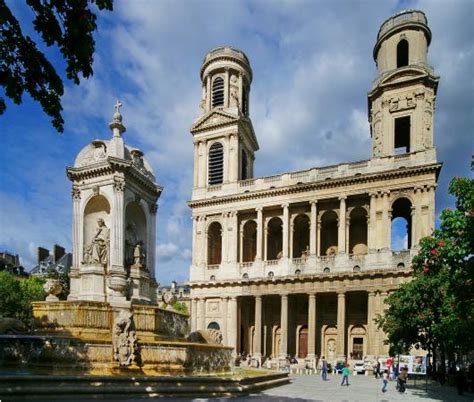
(16, 296)
(68, 24)
(435, 310)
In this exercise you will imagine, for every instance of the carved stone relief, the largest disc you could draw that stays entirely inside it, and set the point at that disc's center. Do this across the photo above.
(124, 339)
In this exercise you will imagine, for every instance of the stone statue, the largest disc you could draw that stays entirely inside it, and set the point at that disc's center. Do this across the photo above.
(130, 243)
(208, 336)
(234, 92)
(331, 349)
(124, 339)
(139, 254)
(98, 251)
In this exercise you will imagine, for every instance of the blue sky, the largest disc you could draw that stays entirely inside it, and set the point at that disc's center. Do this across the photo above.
(312, 64)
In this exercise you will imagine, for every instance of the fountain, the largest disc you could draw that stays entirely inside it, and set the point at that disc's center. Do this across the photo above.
(110, 336)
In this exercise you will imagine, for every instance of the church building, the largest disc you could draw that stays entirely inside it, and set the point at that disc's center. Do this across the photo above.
(300, 263)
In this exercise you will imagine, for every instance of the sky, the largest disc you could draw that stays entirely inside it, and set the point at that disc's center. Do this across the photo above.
(312, 67)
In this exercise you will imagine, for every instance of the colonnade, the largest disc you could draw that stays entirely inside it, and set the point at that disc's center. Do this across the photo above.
(230, 318)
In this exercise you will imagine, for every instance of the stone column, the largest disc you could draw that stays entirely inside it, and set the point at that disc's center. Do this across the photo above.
(318, 237)
(416, 218)
(233, 234)
(241, 91)
(341, 238)
(387, 221)
(76, 228)
(117, 230)
(153, 208)
(194, 243)
(258, 328)
(233, 316)
(202, 164)
(193, 315)
(311, 325)
(201, 325)
(371, 223)
(233, 158)
(313, 228)
(224, 320)
(241, 242)
(370, 323)
(224, 238)
(209, 96)
(341, 324)
(383, 349)
(265, 241)
(226, 87)
(284, 326)
(258, 256)
(286, 230)
(196, 165)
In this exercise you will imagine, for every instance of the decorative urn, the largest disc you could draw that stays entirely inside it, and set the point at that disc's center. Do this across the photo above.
(53, 288)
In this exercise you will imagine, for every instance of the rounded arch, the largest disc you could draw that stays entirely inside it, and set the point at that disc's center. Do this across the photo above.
(216, 164)
(327, 270)
(357, 341)
(274, 238)
(214, 243)
(329, 233)
(358, 231)
(300, 235)
(302, 340)
(401, 226)
(249, 239)
(402, 53)
(96, 216)
(135, 233)
(214, 325)
(218, 91)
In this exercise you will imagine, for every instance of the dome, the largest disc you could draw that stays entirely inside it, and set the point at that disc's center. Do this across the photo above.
(226, 55)
(99, 150)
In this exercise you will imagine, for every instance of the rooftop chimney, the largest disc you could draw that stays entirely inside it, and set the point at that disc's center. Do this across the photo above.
(58, 252)
(43, 253)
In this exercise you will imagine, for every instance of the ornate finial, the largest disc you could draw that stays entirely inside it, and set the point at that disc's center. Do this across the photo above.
(116, 125)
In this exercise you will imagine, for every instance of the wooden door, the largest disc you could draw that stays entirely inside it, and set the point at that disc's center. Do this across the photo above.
(303, 342)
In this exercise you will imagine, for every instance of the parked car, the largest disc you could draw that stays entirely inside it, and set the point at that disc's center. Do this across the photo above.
(359, 367)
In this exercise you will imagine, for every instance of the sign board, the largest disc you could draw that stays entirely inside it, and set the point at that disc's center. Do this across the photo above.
(415, 364)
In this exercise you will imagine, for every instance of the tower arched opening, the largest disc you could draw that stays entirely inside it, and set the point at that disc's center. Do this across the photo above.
(218, 92)
(402, 53)
(401, 230)
(216, 164)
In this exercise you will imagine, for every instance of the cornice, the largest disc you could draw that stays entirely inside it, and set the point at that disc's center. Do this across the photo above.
(319, 185)
(305, 278)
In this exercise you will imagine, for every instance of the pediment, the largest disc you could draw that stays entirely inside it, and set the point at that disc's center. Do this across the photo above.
(403, 75)
(217, 118)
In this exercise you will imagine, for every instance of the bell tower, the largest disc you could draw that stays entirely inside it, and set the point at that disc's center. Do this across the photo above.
(402, 98)
(223, 135)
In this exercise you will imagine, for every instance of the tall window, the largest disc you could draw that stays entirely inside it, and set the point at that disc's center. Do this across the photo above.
(402, 53)
(245, 102)
(218, 92)
(402, 135)
(244, 166)
(216, 164)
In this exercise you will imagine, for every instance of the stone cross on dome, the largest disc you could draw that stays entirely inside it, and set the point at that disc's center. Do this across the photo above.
(116, 125)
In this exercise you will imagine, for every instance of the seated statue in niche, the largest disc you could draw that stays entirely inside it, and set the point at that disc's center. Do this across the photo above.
(97, 251)
(139, 255)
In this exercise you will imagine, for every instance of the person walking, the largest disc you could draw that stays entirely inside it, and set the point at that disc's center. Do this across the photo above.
(402, 379)
(385, 380)
(324, 369)
(345, 375)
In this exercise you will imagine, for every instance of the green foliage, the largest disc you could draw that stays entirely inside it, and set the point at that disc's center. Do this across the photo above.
(16, 295)
(436, 309)
(68, 24)
(180, 307)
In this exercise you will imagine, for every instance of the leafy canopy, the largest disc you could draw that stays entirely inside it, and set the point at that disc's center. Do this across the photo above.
(436, 309)
(68, 24)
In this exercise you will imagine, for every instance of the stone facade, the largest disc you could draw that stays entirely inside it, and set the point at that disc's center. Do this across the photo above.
(301, 262)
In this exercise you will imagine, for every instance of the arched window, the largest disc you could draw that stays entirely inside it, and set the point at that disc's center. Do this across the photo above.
(243, 166)
(214, 325)
(216, 164)
(358, 231)
(214, 243)
(249, 246)
(402, 53)
(401, 224)
(329, 233)
(218, 92)
(274, 238)
(300, 236)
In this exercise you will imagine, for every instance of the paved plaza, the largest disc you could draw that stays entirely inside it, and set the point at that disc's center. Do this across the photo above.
(312, 388)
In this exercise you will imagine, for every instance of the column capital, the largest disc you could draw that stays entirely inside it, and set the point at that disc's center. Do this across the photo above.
(373, 194)
(285, 205)
(371, 293)
(313, 202)
(341, 295)
(342, 197)
(258, 297)
(259, 209)
(312, 294)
